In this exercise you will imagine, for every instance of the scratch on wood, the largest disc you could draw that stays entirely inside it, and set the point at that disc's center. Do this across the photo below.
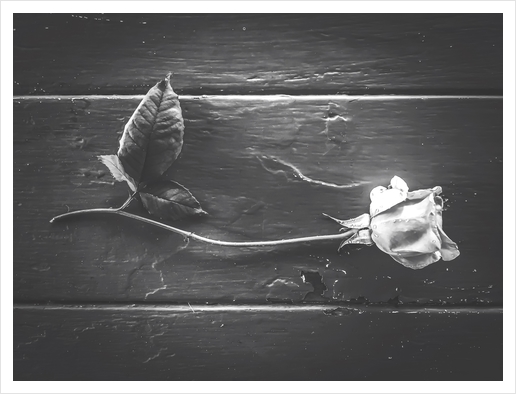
(156, 355)
(92, 327)
(163, 287)
(34, 340)
(249, 211)
(283, 282)
(275, 165)
(154, 267)
(103, 182)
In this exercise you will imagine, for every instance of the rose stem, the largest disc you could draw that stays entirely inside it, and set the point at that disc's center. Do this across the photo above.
(187, 234)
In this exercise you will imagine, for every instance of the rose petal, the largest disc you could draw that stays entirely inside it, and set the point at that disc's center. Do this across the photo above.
(414, 241)
(439, 218)
(422, 193)
(400, 184)
(408, 228)
(388, 199)
(449, 249)
(419, 194)
(439, 203)
(419, 261)
(377, 192)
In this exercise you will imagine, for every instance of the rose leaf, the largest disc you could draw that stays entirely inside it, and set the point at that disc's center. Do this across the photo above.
(153, 136)
(170, 200)
(112, 162)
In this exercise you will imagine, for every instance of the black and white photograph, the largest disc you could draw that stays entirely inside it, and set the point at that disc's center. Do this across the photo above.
(258, 196)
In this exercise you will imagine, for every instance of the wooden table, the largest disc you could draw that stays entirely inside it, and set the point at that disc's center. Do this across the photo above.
(344, 99)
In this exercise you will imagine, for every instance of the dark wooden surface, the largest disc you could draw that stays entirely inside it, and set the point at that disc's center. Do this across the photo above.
(268, 343)
(300, 312)
(212, 54)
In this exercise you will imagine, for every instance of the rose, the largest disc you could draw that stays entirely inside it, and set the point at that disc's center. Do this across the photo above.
(408, 225)
(405, 225)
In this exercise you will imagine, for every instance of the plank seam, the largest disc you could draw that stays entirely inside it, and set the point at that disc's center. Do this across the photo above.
(272, 97)
(194, 308)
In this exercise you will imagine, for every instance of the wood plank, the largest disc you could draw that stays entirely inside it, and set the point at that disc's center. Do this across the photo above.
(456, 144)
(259, 53)
(256, 343)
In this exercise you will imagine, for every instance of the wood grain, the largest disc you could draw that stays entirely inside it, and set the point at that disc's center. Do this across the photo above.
(259, 53)
(226, 163)
(275, 343)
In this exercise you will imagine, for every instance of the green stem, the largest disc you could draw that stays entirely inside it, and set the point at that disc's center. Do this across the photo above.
(187, 234)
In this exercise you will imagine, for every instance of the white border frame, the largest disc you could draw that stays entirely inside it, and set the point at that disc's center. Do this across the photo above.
(7, 11)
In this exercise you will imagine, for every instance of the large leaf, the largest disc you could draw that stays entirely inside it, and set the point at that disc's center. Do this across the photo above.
(170, 200)
(117, 170)
(153, 136)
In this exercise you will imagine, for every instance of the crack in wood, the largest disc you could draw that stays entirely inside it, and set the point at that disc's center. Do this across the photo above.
(276, 166)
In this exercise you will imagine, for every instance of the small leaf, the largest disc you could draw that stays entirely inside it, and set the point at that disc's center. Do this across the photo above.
(153, 136)
(117, 170)
(170, 200)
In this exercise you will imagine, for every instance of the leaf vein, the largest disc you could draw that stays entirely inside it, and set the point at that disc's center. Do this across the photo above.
(158, 106)
(149, 111)
(176, 202)
(134, 140)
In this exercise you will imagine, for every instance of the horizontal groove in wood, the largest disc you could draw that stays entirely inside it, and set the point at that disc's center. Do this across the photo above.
(266, 308)
(265, 97)
(456, 144)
